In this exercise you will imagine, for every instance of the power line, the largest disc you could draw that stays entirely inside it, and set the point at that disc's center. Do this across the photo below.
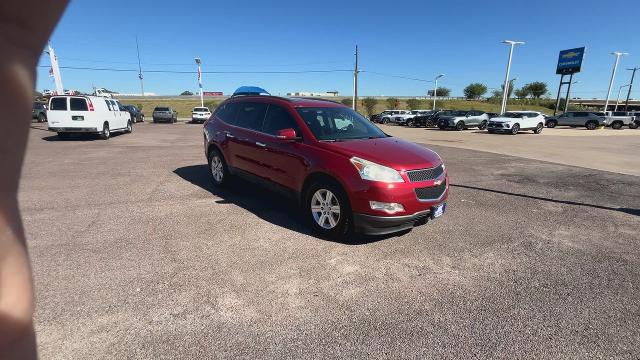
(396, 76)
(204, 72)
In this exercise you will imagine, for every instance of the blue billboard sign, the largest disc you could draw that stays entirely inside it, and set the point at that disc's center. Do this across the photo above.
(570, 61)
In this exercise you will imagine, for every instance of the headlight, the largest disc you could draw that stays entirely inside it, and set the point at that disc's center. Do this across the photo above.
(371, 171)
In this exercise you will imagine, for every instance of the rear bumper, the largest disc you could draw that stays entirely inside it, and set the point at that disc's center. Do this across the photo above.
(382, 225)
(73, 129)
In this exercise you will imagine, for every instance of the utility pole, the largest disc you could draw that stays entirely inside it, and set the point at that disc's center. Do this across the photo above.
(355, 83)
(139, 68)
(617, 54)
(435, 90)
(633, 74)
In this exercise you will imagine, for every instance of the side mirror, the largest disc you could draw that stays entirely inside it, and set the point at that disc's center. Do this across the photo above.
(287, 134)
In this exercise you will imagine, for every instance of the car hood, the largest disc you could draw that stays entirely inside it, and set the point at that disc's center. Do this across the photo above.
(390, 151)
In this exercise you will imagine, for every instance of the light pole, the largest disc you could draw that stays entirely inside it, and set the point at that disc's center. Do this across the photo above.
(566, 102)
(633, 74)
(613, 76)
(511, 44)
(618, 98)
(435, 90)
(199, 62)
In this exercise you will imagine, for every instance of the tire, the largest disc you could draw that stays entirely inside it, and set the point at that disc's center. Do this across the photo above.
(442, 126)
(105, 134)
(483, 125)
(63, 136)
(538, 129)
(633, 125)
(616, 125)
(322, 199)
(42, 118)
(218, 169)
(551, 124)
(591, 125)
(460, 125)
(142, 118)
(515, 129)
(129, 129)
(385, 121)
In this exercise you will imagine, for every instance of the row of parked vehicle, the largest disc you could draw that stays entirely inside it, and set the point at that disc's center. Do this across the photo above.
(492, 122)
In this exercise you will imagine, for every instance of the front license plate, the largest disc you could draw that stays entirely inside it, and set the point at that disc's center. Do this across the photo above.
(438, 210)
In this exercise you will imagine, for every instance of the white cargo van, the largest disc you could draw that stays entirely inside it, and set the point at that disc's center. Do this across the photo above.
(87, 114)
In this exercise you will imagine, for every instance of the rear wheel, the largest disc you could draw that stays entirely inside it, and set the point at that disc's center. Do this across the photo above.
(591, 125)
(482, 126)
(515, 129)
(327, 210)
(106, 133)
(538, 129)
(551, 124)
(633, 125)
(617, 125)
(385, 120)
(129, 127)
(460, 125)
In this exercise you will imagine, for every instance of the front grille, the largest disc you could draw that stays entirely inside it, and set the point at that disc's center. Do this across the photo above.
(432, 192)
(425, 174)
(494, 124)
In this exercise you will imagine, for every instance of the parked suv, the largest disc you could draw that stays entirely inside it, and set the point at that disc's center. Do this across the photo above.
(345, 172)
(165, 113)
(39, 112)
(462, 119)
(514, 121)
(590, 120)
(200, 114)
(136, 114)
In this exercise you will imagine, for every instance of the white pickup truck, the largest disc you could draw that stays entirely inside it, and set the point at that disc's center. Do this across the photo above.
(87, 114)
(618, 119)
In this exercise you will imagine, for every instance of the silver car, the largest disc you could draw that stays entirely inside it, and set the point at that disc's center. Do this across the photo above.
(463, 119)
(165, 113)
(590, 120)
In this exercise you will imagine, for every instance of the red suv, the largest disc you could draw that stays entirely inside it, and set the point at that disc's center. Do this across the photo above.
(346, 173)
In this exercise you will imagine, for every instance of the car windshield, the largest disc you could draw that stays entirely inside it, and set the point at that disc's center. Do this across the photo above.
(512, 115)
(459, 113)
(161, 109)
(200, 109)
(335, 124)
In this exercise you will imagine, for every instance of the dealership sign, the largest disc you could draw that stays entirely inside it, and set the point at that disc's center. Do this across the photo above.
(570, 61)
(212, 93)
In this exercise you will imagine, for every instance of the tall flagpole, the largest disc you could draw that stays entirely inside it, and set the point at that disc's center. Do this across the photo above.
(55, 70)
(199, 62)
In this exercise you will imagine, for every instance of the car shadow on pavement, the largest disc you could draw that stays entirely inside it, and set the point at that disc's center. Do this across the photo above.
(268, 205)
(630, 211)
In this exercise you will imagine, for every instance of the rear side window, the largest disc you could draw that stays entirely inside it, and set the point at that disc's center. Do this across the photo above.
(78, 104)
(226, 112)
(250, 115)
(58, 103)
(279, 118)
(580, 114)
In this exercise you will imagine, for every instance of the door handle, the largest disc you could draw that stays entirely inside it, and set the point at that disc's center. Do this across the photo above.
(261, 144)
(228, 134)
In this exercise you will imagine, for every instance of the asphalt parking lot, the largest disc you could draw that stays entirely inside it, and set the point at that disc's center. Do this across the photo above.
(135, 255)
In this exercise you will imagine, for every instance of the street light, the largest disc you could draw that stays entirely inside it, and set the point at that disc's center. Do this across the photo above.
(566, 102)
(435, 90)
(618, 98)
(633, 75)
(511, 44)
(199, 63)
(617, 54)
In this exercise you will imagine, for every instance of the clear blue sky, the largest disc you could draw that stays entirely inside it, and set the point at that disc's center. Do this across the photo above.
(416, 38)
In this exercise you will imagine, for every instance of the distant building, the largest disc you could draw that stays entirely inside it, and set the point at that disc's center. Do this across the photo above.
(313, 94)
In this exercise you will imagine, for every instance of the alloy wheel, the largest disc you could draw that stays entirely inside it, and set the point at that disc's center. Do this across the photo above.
(325, 209)
(217, 170)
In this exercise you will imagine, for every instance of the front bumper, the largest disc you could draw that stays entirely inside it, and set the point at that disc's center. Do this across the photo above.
(382, 225)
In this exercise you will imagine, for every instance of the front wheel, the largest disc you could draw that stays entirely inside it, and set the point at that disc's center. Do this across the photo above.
(633, 125)
(328, 211)
(460, 126)
(515, 129)
(551, 124)
(106, 133)
(538, 129)
(592, 125)
(482, 126)
(616, 125)
(218, 168)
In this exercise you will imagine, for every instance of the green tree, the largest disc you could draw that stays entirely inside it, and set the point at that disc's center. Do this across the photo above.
(347, 102)
(537, 89)
(443, 92)
(186, 93)
(369, 104)
(522, 93)
(510, 92)
(475, 90)
(392, 103)
(413, 104)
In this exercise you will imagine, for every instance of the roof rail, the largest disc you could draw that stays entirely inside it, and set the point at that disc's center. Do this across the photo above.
(316, 99)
